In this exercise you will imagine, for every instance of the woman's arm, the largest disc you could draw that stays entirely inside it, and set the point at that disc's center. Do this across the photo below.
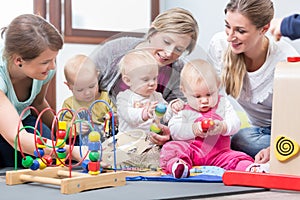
(9, 130)
(9, 126)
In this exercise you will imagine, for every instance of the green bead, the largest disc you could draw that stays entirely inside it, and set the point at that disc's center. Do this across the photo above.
(61, 155)
(94, 136)
(94, 156)
(27, 161)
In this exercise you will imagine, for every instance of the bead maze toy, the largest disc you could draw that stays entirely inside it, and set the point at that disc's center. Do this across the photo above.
(42, 170)
(285, 137)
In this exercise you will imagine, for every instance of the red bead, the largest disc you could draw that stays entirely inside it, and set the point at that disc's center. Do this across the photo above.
(94, 166)
(38, 140)
(48, 159)
(61, 134)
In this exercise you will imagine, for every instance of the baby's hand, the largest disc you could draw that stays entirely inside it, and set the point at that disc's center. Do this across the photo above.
(177, 105)
(197, 130)
(82, 127)
(218, 128)
(148, 110)
(275, 28)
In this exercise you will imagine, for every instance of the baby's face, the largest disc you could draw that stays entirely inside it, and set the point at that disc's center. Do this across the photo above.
(143, 79)
(201, 96)
(85, 87)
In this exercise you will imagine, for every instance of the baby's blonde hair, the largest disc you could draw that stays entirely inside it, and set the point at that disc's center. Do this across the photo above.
(196, 71)
(77, 64)
(134, 59)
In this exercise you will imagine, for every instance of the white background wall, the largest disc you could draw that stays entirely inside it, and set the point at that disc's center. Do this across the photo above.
(209, 14)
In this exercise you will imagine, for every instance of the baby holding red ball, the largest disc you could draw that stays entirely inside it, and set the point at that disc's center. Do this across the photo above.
(201, 130)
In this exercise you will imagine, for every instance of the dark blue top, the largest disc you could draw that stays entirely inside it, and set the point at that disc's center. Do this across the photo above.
(290, 27)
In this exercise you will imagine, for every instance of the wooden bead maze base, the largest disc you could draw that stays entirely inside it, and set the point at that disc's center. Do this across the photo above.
(60, 176)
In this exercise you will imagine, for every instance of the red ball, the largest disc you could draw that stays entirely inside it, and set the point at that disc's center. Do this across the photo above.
(206, 124)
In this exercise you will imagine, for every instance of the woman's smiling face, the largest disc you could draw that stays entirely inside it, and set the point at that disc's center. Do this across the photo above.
(243, 36)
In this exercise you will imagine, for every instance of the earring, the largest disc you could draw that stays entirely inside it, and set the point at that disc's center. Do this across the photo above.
(20, 65)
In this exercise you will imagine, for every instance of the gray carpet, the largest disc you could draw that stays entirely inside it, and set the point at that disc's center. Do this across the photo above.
(133, 190)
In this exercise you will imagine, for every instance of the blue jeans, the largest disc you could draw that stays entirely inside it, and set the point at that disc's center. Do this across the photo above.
(7, 152)
(251, 140)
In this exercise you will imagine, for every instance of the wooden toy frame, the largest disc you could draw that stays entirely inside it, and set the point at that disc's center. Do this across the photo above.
(68, 185)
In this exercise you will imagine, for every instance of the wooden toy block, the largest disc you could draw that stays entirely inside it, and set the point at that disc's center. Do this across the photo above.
(60, 176)
(284, 156)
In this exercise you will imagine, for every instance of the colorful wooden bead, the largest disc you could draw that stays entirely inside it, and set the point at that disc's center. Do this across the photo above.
(40, 143)
(94, 136)
(48, 159)
(84, 165)
(60, 143)
(94, 156)
(61, 155)
(94, 172)
(60, 162)
(35, 165)
(61, 134)
(62, 125)
(27, 161)
(94, 166)
(42, 163)
(40, 153)
(94, 146)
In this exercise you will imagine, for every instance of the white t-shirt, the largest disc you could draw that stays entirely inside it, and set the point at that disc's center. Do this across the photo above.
(257, 94)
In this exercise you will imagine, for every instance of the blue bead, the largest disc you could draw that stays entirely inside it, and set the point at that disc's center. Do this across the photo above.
(84, 165)
(35, 165)
(41, 151)
(94, 146)
(60, 150)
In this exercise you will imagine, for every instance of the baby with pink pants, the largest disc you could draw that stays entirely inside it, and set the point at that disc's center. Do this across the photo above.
(191, 145)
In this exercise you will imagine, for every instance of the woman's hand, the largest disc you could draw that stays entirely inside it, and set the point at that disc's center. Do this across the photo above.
(263, 156)
(162, 138)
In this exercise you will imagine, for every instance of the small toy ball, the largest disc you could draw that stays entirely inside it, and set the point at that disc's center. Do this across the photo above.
(206, 124)
(160, 109)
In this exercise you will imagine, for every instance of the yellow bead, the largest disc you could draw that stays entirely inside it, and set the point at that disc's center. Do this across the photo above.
(41, 146)
(94, 136)
(94, 172)
(60, 143)
(62, 125)
(42, 164)
(60, 162)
